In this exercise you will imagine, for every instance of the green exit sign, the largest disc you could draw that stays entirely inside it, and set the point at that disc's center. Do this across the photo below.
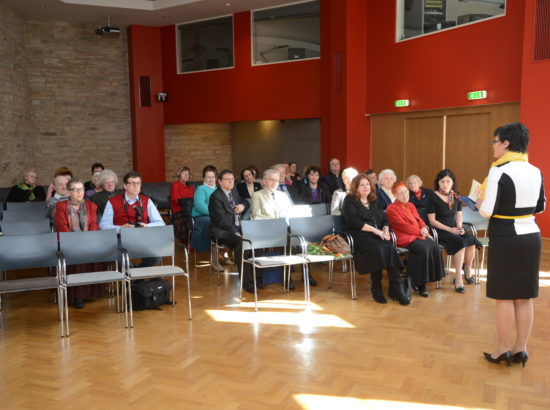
(401, 103)
(477, 95)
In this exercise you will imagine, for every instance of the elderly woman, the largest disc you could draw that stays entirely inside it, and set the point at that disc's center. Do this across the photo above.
(179, 190)
(108, 180)
(248, 185)
(339, 195)
(373, 250)
(386, 179)
(201, 216)
(59, 171)
(27, 191)
(425, 263)
(511, 195)
(96, 186)
(73, 215)
(445, 215)
(313, 191)
(419, 196)
(61, 194)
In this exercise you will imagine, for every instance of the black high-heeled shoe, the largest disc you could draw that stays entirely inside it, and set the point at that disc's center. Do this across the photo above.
(504, 357)
(520, 357)
(469, 280)
(460, 289)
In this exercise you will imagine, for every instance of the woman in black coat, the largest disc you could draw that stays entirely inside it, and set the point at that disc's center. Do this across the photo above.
(312, 191)
(248, 186)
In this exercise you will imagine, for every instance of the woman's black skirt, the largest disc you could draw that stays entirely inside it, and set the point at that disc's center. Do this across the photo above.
(424, 262)
(372, 254)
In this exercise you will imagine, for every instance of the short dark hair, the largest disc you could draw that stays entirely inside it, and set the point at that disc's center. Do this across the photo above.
(72, 182)
(254, 170)
(246, 169)
(516, 134)
(131, 174)
(97, 165)
(442, 174)
(312, 168)
(209, 168)
(224, 173)
(370, 171)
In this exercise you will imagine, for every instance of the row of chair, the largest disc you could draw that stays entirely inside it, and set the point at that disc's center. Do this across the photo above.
(73, 248)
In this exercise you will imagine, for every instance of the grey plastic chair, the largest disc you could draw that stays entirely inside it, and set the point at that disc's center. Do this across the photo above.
(24, 215)
(477, 223)
(26, 206)
(31, 251)
(271, 233)
(25, 227)
(313, 229)
(88, 247)
(154, 241)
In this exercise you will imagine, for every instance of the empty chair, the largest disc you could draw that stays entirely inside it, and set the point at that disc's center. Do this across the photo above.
(26, 227)
(26, 206)
(154, 241)
(88, 247)
(313, 229)
(271, 233)
(24, 215)
(159, 192)
(31, 251)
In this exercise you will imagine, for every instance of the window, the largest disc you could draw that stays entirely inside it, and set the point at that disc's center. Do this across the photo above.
(286, 33)
(205, 45)
(419, 17)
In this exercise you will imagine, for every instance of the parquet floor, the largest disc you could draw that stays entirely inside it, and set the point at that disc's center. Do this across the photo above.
(343, 354)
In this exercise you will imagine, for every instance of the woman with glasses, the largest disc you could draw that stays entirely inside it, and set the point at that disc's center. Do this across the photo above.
(75, 215)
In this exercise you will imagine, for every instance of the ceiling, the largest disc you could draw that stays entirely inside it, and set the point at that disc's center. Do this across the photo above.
(123, 13)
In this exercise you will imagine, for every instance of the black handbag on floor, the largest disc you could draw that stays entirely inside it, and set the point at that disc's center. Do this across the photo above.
(150, 294)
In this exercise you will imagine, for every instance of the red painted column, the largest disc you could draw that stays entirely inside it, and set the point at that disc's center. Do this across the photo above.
(145, 60)
(345, 131)
(535, 106)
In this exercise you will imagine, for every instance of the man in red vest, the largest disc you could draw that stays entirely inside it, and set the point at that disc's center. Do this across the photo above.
(131, 210)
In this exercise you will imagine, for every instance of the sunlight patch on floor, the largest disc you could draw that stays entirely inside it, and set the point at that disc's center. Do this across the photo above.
(277, 304)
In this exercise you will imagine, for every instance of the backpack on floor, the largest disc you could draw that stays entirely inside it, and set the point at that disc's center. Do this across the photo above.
(150, 294)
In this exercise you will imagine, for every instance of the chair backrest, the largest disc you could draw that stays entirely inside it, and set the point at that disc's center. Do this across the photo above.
(148, 242)
(24, 215)
(89, 246)
(186, 205)
(159, 193)
(4, 192)
(299, 211)
(25, 227)
(319, 209)
(26, 206)
(339, 224)
(265, 233)
(313, 228)
(473, 217)
(28, 251)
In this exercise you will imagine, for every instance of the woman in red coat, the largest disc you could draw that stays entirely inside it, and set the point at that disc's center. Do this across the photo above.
(74, 215)
(425, 263)
(181, 217)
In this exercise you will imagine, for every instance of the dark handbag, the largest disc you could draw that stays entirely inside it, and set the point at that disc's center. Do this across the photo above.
(150, 294)
(405, 282)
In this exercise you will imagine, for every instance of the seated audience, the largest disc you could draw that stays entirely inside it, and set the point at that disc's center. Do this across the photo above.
(96, 186)
(59, 171)
(248, 185)
(290, 190)
(75, 215)
(333, 178)
(373, 250)
(270, 202)
(226, 208)
(386, 179)
(27, 191)
(293, 174)
(312, 190)
(340, 194)
(131, 210)
(61, 194)
(108, 180)
(200, 240)
(419, 196)
(425, 263)
(371, 175)
(256, 173)
(96, 167)
(445, 215)
(179, 190)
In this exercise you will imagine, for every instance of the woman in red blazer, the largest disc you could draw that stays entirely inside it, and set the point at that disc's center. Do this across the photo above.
(73, 215)
(425, 263)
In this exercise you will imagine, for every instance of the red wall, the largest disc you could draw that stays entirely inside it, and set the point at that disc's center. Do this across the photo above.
(535, 106)
(244, 93)
(436, 71)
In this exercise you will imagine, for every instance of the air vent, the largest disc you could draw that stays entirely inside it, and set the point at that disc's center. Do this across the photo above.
(542, 31)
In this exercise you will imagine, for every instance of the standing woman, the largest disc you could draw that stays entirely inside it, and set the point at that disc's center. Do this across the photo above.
(512, 194)
(178, 190)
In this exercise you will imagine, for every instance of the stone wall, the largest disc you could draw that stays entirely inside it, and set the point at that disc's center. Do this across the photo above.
(64, 99)
(197, 145)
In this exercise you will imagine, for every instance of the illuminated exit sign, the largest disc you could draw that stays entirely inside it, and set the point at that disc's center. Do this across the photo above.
(477, 95)
(401, 103)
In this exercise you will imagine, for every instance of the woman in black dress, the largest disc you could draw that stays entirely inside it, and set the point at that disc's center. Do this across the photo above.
(512, 194)
(373, 250)
(445, 215)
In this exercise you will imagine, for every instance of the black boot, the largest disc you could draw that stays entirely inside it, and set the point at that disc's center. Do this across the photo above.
(396, 290)
(376, 289)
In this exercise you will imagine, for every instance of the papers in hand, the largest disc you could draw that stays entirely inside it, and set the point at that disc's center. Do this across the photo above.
(473, 196)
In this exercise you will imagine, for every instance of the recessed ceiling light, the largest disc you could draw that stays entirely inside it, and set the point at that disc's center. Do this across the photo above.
(228, 4)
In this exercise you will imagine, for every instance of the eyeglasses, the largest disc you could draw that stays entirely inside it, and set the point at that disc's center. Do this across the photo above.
(77, 189)
(495, 141)
(132, 183)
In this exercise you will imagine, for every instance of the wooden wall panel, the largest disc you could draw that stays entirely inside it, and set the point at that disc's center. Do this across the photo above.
(388, 149)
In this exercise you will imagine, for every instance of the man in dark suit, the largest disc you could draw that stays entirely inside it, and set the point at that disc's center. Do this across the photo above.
(226, 208)
(333, 178)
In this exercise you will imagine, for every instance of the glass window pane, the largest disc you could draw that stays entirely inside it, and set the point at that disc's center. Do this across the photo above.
(287, 33)
(206, 45)
(419, 17)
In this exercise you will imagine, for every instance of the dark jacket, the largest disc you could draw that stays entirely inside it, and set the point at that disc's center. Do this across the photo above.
(324, 195)
(243, 190)
(333, 182)
(222, 215)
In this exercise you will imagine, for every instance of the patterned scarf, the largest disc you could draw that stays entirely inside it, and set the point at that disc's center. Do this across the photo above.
(452, 196)
(509, 156)
(26, 187)
(78, 219)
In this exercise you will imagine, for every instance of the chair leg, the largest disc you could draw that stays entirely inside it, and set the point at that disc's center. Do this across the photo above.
(173, 290)
(130, 303)
(305, 270)
(117, 298)
(66, 307)
(353, 284)
(189, 296)
(331, 272)
(1, 317)
(255, 288)
(60, 306)
(344, 266)
(125, 286)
